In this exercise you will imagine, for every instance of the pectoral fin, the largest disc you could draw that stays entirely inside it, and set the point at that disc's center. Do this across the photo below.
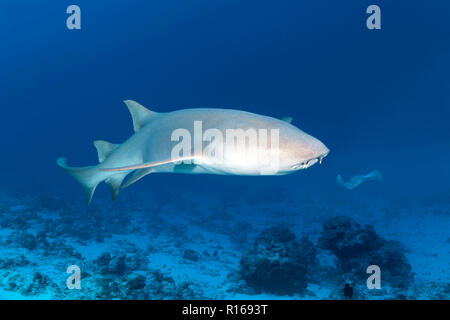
(287, 119)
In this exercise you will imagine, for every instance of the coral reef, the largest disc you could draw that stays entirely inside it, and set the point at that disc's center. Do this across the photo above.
(357, 247)
(279, 262)
(187, 249)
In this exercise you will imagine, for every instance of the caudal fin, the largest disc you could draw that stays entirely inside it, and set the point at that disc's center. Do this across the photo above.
(87, 177)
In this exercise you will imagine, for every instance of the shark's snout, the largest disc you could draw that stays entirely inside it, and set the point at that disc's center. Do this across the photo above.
(317, 151)
(322, 153)
(311, 161)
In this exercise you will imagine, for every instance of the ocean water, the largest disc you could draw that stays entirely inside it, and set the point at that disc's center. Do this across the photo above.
(378, 99)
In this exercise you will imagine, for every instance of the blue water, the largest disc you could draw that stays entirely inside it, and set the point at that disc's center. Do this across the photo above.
(379, 99)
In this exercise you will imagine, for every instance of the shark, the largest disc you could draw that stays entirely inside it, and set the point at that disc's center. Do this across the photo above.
(161, 144)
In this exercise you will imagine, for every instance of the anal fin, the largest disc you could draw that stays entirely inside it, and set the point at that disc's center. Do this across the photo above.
(114, 183)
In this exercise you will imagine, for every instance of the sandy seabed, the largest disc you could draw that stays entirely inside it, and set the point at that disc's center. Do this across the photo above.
(213, 248)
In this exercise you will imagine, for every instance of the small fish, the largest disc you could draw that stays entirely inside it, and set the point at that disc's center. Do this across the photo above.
(150, 149)
(358, 179)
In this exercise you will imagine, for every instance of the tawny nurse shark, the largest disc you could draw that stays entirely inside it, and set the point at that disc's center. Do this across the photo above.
(155, 147)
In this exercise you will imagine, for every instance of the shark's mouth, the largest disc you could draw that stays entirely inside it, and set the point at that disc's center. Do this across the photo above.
(308, 163)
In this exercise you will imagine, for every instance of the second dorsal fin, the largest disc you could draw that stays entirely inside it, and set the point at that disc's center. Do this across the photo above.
(104, 149)
(139, 114)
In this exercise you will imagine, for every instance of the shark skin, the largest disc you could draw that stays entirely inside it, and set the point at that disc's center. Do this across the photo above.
(150, 148)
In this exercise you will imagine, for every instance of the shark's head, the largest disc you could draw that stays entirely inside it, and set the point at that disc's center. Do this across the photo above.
(286, 150)
(299, 150)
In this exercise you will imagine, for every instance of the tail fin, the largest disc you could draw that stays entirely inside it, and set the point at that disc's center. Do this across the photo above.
(87, 177)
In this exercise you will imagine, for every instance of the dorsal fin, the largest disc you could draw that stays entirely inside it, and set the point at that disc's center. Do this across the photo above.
(287, 119)
(140, 114)
(104, 149)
